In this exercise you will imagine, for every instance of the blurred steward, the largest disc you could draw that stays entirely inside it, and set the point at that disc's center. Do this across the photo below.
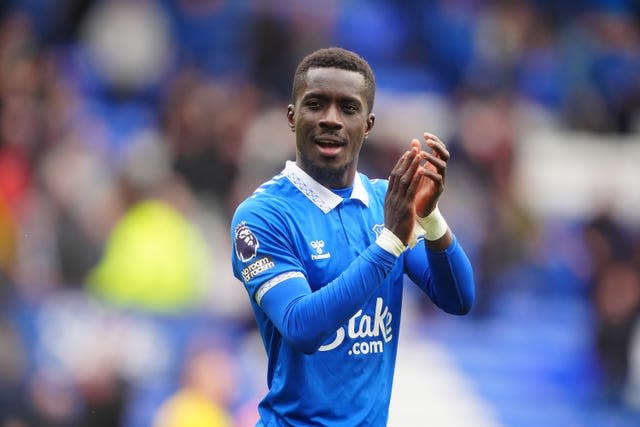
(155, 258)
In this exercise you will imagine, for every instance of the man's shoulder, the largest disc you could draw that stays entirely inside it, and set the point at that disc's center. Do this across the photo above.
(374, 185)
(275, 188)
(271, 196)
(372, 181)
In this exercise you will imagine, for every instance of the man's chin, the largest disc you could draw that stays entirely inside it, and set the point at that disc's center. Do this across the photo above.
(327, 171)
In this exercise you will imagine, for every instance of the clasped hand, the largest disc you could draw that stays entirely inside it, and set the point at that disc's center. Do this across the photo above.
(415, 185)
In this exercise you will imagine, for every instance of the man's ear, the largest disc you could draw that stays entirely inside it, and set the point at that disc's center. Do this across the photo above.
(369, 124)
(291, 117)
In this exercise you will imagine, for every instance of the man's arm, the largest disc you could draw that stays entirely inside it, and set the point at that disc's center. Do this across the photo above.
(440, 267)
(446, 276)
(306, 319)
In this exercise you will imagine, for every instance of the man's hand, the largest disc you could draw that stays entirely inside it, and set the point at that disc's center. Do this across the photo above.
(431, 172)
(399, 207)
(415, 185)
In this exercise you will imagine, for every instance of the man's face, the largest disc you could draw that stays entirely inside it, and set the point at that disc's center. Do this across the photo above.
(331, 119)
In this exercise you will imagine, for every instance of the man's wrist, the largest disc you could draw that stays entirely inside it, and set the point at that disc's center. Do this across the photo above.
(388, 241)
(433, 225)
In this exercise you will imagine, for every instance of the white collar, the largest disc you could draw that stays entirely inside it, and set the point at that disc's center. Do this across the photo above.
(320, 195)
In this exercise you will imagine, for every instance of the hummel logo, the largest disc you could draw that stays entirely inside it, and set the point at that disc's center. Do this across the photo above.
(318, 246)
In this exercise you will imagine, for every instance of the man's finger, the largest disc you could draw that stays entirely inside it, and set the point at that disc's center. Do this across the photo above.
(437, 146)
(401, 167)
(415, 182)
(407, 177)
(439, 164)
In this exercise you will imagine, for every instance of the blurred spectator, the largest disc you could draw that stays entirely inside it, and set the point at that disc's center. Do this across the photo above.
(539, 75)
(79, 215)
(256, 160)
(615, 291)
(602, 54)
(205, 121)
(8, 247)
(483, 154)
(207, 387)
(51, 401)
(617, 305)
(20, 114)
(54, 22)
(281, 35)
(212, 35)
(499, 42)
(12, 367)
(446, 34)
(606, 241)
(59, 400)
(140, 26)
(616, 61)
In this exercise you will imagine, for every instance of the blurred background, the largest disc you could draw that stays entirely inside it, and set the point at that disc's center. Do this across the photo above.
(130, 130)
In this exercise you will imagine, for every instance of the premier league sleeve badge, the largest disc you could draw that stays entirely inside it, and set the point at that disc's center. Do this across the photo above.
(246, 243)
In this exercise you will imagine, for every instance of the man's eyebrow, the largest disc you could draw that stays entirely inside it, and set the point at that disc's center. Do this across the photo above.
(350, 99)
(343, 99)
(314, 95)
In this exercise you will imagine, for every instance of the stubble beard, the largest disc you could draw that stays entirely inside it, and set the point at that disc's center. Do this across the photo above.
(331, 177)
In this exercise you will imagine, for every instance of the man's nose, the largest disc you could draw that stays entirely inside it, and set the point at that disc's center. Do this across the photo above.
(332, 118)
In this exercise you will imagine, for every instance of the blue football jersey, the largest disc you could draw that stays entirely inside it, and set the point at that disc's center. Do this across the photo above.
(293, 227)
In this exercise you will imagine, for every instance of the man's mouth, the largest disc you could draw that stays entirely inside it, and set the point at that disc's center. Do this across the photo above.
(329, 146)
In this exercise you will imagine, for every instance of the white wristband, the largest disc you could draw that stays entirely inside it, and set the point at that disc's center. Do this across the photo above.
(390, 242)
(434, 225)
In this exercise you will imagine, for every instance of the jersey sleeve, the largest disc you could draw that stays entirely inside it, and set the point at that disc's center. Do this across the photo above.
(445, 276)
(263, 253)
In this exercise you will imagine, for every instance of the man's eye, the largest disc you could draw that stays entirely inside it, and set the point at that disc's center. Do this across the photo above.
(351, 108)
(313, 104)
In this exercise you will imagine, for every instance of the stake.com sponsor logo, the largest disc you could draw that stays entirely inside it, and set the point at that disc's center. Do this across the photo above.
(364, 326)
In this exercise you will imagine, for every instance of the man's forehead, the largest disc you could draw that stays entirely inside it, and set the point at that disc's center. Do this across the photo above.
(334, 78)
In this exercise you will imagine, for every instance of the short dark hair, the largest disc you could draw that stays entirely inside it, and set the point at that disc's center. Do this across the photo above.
(335, 57)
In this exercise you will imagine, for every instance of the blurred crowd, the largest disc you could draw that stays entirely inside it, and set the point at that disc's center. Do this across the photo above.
(130, 130)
